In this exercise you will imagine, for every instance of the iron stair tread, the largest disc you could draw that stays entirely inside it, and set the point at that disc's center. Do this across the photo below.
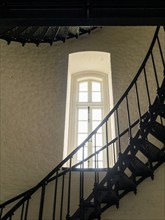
(161, 93)
(137, 167)
(123, 182)
(90, 209)
(158, 131)
(162, 110)
(106, 195)
(153, 153)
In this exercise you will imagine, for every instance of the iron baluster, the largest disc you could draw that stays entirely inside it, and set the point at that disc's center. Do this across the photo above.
(22, 211)
(161, 53)
(138, 101)
(81, 195)
(1, 211)
(96, 164)
(42, 202)
(55, 196)
(155, 73)
(95, 158)
(146, 82)
(118, 130)
(83, 172)
(82, 188)
(26, 209)
(69, 189)
(129, 119)
(62, 196)
(107, 144)
(114, 153)
(80, 191)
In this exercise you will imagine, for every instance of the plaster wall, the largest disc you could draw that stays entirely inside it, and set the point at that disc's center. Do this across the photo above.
(33, 94)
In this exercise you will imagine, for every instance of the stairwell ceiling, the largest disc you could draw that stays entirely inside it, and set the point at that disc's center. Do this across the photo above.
(82, 12)
(38, 21)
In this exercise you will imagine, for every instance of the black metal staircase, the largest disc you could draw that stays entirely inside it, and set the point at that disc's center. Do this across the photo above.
(144, 153)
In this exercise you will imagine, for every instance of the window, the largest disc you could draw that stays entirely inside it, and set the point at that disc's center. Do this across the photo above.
(88, 102)
(89, 107)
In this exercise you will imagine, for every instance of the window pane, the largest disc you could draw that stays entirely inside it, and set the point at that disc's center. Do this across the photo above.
(95, 124)
(96, 114)
(81, 138)
(83, 114)
(83, 96)
(81, 166)
(96, 97)
(99, 140)
(82, 127)
(83, 86)
(99, 164)
(100, 155)
(96, 86)
(80, 153)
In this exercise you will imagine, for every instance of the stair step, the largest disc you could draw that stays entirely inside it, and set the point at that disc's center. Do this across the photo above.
(158, 131)
(161, 94)
(90, 212)
(137, 167)
(106, 195)
(153, 153)
(162, 111)
(123, 182)
(87, 210)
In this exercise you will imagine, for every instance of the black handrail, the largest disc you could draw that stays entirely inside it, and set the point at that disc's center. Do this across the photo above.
(26, 195)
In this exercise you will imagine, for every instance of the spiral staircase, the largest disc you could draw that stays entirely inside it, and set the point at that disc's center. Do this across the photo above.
(138, 150)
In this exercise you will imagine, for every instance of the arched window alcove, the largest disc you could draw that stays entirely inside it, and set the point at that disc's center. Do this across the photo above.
(89, 99)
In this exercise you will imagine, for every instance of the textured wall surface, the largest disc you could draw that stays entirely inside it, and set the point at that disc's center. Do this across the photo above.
(33, 95)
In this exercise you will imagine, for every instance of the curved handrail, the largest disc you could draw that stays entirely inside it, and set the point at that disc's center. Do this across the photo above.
(69, 157)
